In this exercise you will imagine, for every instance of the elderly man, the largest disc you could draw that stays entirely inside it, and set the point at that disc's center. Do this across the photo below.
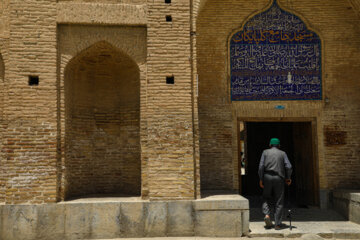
(274, 170)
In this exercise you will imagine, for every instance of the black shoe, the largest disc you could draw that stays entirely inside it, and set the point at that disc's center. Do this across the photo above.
(280, 227)
(268, 223)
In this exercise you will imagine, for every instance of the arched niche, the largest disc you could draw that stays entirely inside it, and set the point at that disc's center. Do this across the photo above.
(102, 117)
(275, 57)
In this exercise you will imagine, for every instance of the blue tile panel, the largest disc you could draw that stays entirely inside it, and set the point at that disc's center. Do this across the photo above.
(275, 57)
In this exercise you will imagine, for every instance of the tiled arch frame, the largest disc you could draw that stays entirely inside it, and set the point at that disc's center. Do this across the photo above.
(71, 47)
(286, 24)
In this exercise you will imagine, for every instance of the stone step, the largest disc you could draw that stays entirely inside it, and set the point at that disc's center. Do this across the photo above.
(303, 237)
(334, 235)
(316, 222)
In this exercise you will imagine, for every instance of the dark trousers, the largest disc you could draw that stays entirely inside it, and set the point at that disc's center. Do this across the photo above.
(273, 190)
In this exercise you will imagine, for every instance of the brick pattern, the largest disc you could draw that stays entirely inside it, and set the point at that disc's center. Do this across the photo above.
(4, 43)
(30, 141)
(194, 14)
(102, 102)
(173, 136)
(169, 149)
(117, 133)
(2, 129)
(99, 13)
(355, 5)
(336, 23)
(135, 2)
(4, 20)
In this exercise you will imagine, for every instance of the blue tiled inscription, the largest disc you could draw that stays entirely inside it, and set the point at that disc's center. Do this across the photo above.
(275, 57)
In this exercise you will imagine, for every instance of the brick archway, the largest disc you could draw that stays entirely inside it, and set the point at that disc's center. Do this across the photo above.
(102, 133)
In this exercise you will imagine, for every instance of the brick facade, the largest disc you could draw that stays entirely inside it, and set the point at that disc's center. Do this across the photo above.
(148, 137)
(335, 22)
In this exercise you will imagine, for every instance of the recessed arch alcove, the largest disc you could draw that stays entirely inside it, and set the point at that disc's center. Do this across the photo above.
(102, 126)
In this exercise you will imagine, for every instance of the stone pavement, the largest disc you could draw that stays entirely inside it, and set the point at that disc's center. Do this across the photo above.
(313, 221)
(305, 237)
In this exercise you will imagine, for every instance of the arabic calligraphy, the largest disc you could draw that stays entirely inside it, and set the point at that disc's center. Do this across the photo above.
(271, 36)
(275, 57)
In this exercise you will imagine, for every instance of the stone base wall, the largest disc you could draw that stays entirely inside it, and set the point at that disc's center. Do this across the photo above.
(347, 203)
(225, 217)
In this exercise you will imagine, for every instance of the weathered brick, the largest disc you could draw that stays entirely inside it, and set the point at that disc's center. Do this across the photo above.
(153, 144)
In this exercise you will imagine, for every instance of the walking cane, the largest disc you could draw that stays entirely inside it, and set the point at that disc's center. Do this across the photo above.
(289, 207)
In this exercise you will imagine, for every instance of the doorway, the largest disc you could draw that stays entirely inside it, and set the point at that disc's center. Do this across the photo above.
(297, 140)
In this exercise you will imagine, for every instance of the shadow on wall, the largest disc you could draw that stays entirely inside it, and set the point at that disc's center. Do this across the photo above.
(102, 112)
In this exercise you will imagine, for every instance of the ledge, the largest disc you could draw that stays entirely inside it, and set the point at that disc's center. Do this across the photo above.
(351, 195)
(222, 202)
(347, 203)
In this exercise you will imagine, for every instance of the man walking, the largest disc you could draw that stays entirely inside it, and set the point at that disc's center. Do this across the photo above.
(274, 170)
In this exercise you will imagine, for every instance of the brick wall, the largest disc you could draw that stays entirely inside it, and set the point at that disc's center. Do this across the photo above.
(107, 1)
(355, 4)
(169, 149)
(102, 70)
(336, 23)
(4, 43)
(34, 143)
(31, 110)
(2, 129)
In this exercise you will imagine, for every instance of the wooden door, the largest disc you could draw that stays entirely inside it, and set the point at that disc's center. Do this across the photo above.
(305, 167)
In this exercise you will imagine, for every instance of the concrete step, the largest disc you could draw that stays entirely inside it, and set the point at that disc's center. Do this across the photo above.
(304, 237)
(337, 235)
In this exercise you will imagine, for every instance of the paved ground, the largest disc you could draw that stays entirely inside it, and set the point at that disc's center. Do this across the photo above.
(324, 223)
(307, 237)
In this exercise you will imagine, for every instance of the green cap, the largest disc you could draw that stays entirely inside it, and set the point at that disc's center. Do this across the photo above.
(274, 141)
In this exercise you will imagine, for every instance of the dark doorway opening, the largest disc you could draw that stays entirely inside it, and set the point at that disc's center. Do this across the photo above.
(297, 140)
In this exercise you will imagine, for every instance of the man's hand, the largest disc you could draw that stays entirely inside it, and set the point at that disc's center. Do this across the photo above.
(288, 182)
(261, 184)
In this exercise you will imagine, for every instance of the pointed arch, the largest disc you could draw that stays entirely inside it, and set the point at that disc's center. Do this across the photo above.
(102, 123)
(275, 57)
(100, 46)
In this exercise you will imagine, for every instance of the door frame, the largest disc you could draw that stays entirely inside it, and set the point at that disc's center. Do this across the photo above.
(314, 142)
